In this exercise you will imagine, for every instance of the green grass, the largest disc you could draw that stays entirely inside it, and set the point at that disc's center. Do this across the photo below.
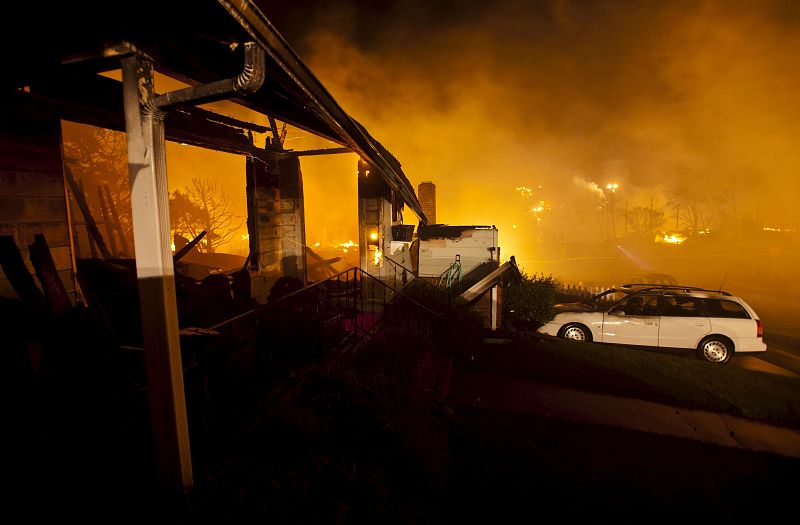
(667, 377)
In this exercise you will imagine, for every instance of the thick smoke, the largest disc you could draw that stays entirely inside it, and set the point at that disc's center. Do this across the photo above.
(686, 105)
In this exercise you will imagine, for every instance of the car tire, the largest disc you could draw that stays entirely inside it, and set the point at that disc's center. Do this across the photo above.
(715, 349)
(576, 332)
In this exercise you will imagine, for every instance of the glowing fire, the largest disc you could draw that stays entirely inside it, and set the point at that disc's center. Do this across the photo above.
(673, 238)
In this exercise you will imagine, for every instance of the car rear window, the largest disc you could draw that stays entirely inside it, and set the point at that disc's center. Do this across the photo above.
(723, 308)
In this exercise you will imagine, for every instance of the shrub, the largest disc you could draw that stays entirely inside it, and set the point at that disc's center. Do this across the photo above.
(528, 303)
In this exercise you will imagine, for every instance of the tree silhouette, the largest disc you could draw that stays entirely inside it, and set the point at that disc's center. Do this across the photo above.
(204, 206)
(98, 159)
(645, 221)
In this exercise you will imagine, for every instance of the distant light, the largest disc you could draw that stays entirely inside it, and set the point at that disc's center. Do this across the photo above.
(184, 144)
(316, 245)
(514, 226)
(172, 246)
(376, 259)
(373, 236)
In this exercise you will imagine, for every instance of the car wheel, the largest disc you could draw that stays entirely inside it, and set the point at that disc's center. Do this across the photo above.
(576, 332)
(715, 349)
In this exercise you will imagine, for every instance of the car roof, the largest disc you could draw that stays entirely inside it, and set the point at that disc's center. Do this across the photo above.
(636, 288)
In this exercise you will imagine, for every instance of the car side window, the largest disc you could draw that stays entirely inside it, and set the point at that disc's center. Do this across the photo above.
(650, 305)
(727, 309)
(683, 306)
(638, 305)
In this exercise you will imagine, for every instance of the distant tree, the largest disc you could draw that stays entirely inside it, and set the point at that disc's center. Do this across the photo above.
(187, 218)
(204, 205)
(644, 221)
(98, 158)
(697, 202)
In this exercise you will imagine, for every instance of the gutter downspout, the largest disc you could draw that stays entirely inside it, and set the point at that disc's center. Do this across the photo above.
(246, 83)
(144, 126)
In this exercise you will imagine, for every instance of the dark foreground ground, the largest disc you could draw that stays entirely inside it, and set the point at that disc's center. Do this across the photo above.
(374, 440)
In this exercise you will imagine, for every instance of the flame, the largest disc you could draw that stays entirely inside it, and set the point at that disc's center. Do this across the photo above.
(524, 191)
(672, 238)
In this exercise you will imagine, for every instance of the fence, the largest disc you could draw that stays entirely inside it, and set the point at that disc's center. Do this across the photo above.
(578, 291)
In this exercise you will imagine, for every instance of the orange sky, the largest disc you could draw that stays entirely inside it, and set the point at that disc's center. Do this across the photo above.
(668, 99)
(506, 105)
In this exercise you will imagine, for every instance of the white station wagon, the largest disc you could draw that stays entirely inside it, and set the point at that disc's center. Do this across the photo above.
(714, 324)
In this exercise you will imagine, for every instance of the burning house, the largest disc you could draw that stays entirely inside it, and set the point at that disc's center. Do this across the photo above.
(65, 70)
(61, 248)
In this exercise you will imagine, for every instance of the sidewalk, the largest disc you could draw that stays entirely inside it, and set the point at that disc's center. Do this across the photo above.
(474, 389)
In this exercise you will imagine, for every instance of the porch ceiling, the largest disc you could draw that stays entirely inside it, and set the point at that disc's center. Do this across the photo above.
(196, 41)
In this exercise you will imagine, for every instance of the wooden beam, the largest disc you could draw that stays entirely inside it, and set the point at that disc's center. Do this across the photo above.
(310, 152)
(91, 225)
(156, 276)
(191, 244)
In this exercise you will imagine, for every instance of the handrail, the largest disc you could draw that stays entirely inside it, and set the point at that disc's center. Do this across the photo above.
(399, 264)
(400, 293)
(429, 284)
(305, 289)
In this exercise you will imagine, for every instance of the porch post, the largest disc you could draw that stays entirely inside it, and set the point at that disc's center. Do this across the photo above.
(144, 125)
(374, 220)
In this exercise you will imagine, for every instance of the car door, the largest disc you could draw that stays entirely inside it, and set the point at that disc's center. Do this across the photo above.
(684, 322)
(628, 323)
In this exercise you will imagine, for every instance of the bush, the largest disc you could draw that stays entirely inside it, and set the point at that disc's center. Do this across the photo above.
(528, 304)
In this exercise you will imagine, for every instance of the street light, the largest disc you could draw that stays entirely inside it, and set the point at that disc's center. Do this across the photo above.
(613, 187)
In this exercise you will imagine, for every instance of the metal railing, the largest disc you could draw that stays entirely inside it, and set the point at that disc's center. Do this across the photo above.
(423, 291)
(300, 326)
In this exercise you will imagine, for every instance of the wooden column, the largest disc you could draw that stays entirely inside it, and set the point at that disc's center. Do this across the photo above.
(154, 267)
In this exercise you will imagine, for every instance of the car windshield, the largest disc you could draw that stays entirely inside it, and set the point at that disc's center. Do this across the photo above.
(605, 299)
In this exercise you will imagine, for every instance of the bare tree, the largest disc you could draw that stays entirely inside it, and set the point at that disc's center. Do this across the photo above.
(98, 159)
(204, 206)
(698, 201)
(644, 221)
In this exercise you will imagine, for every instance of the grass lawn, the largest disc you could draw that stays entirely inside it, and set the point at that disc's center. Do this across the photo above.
(670, 377)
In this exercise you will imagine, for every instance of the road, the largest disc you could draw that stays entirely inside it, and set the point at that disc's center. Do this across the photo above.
(778, 359)
(780, 315)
